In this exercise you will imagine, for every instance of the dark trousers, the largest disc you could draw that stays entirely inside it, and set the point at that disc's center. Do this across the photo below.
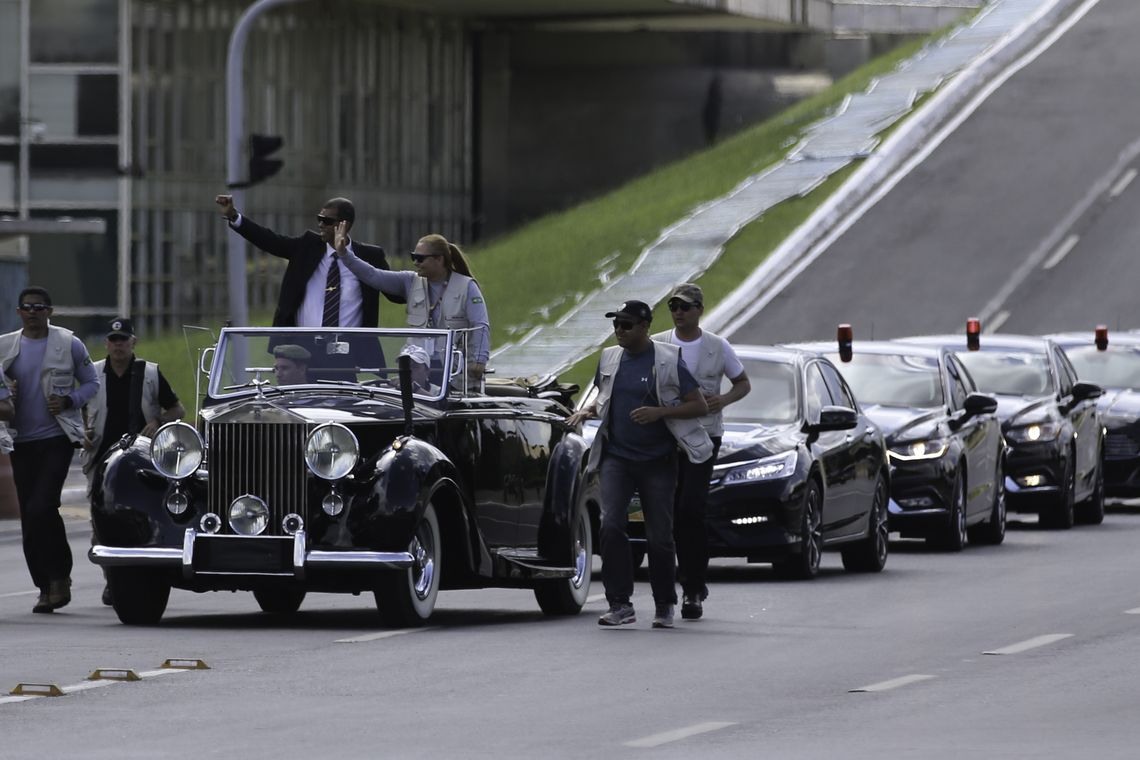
(655, 482)
(689, 521)
(40, 469)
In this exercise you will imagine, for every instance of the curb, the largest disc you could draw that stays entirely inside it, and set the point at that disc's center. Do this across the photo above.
(765, 281)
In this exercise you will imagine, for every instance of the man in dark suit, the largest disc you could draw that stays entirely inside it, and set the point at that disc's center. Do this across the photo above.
(316, 290)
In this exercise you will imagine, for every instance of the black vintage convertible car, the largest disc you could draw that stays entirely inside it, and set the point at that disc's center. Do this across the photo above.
(944, 440)
(371, 472)
(1113, 364)
(1054, 463)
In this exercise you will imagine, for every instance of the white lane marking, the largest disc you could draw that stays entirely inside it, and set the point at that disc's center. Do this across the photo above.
(18, 593)
(1061, 252)
(894, 683)
(656, 740)
(1133, 611)
(1123, 184)
(1033, 643)
(595, 598)
(97, 684)
(999, 319)
(919, 156)
(380, 635)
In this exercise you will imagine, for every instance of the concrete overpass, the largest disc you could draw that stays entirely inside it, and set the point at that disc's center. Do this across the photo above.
(839, 16)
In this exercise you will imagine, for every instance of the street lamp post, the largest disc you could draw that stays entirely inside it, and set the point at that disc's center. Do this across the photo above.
(235, 132)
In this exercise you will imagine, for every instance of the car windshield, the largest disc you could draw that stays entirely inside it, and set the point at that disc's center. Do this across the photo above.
(893, 379)
(774, 398)
(1010, 373)
(270, 358)
(1115, 368)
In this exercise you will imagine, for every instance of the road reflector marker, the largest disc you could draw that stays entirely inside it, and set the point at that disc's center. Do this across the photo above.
(36, 690)
(1037, 641)
(113, 674)
(185, 664)
(894, 683)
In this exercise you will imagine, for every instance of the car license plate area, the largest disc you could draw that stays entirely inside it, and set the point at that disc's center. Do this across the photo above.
(233, 555)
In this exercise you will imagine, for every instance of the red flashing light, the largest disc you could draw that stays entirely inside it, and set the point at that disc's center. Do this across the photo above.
(1102, 337)
(973, 333)
(845, 335)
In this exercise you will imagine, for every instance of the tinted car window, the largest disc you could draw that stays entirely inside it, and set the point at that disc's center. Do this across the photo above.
(958, 386)
(816, 395)
(773, 398)
(894, 380)
(839, 390)
(1064, 376)
(1009, 373)
(1115, 368)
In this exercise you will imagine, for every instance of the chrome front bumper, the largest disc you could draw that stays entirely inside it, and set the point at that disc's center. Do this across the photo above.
(158, 556)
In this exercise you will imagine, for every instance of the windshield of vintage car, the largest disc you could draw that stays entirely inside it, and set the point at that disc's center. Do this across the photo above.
(1010, 373)
(281, 358)
(893, 379)
(1118, 367)
(774, 398)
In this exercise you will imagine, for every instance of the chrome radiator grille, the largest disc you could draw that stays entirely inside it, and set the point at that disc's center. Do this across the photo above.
(263, 459)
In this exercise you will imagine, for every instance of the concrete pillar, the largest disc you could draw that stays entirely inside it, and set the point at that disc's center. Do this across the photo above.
(844, 53)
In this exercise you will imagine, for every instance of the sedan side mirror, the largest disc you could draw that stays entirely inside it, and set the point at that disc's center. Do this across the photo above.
(1083, 391)
(835, 418)
(979, 403)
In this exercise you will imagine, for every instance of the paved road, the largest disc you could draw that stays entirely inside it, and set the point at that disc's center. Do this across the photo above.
(948, 238)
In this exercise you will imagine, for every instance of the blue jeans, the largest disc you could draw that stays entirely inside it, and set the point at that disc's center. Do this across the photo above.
(655, 481)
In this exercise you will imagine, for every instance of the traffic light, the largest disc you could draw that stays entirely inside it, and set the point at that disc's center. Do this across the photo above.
(261, 166)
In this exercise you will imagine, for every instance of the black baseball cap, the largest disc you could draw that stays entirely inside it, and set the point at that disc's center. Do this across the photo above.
(638, 310)
(120, 326)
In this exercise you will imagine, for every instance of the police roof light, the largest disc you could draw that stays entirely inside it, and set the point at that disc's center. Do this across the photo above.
(1102, 337)
(845, 336)
(973, 333)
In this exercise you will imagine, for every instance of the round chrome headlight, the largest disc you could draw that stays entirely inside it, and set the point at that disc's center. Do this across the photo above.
(176, 450)
(331, 451)
(249, 515)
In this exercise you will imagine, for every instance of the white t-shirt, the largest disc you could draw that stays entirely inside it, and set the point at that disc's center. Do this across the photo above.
(691, 351)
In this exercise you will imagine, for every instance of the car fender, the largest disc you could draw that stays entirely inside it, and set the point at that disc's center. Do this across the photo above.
(564, 488)
(127, 499)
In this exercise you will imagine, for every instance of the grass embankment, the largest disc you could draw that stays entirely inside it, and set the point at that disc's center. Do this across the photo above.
(549, 263)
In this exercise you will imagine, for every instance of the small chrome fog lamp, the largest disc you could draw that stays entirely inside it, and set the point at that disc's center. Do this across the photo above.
(333, 503)
(292, 524)
(177, 502)
(210, 523)
(249, 515)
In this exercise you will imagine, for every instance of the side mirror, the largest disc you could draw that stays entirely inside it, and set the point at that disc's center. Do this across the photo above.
(980, 403)
(835, 418)
(1083, 391)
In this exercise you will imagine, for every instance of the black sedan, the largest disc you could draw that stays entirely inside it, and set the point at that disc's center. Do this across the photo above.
(1055, 439)
(944, 440)
(398, 478)
(1113, 364)
(801, 468)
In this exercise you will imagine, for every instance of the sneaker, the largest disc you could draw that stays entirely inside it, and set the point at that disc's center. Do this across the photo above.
(42, 604)
(107, 599)
(691, 607)
(59, 593)
(620, 613)
(664, 616)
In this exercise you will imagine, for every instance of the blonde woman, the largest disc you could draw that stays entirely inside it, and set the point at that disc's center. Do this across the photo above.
(440, 293)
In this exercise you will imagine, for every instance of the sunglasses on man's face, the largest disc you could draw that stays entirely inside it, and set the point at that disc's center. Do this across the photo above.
(327, 221)
(420, 258)
(679, 305)
(624, 324)
(34, 307)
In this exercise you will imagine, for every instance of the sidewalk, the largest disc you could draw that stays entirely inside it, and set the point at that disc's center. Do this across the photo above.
(75, 509)
(958, 66)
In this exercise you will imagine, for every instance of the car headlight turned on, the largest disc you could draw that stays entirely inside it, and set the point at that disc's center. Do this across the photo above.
(331, 451)
(928, 449)
(768, 468)
(1036, 432)
(176, 450)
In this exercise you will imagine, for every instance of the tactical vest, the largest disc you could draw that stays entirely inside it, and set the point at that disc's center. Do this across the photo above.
(57, 366)
(148, 401)
(708, 371)
(453, 303)
(690, 434)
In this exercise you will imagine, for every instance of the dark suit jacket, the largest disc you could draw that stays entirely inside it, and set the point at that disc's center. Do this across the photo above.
(304, 254)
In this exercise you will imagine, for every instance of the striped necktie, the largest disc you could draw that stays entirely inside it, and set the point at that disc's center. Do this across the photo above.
(331, 316)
